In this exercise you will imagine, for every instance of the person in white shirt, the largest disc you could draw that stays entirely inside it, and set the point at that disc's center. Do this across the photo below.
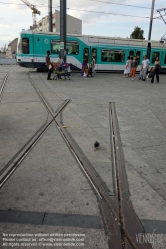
(145, 66)
(60, 60)
(60, 63)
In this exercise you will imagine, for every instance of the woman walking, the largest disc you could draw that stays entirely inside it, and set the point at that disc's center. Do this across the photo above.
(128, 68)
(156, 70)
(84, 69)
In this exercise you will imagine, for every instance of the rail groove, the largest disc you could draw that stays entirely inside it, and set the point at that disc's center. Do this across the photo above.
(3, 85)
(121, 222)
(12, 165)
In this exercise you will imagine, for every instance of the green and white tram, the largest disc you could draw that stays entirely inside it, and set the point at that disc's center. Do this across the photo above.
(110, 53)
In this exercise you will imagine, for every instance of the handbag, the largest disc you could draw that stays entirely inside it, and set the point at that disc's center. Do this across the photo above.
(150, 75)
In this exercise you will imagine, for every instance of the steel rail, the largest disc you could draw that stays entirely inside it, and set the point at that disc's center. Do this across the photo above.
(118, 214)
(7, 173)
(44, 101)
(130, 224)
(110, 222)
(3, 85)
(108, 206)
(8, 170)
(60, 129)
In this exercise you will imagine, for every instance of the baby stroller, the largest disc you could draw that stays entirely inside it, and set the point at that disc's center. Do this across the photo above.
(61, 71)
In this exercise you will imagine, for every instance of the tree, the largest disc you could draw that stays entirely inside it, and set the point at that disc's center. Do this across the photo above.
(137, 33)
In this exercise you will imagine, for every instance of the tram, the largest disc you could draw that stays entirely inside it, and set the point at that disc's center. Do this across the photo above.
(110, 52)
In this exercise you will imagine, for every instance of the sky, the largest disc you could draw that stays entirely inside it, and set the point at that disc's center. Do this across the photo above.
(114, 18)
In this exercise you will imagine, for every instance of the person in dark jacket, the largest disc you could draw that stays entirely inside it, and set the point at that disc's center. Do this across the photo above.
(48, 63)
(155, 70)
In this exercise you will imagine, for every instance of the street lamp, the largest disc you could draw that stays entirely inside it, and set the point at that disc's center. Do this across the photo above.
(63, 29)
(50, 14)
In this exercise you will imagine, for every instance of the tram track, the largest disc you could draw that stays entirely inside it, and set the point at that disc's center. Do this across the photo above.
(13, 164)
(119, 218)
(2, 87)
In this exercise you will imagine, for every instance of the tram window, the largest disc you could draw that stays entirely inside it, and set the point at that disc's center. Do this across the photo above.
(138, 54)
(25, 46)
(165, 60)
(94, 53)
(131, 53)
(55, 47)
(154, 56)
(112, 56)
(72, 47)
(86, 54)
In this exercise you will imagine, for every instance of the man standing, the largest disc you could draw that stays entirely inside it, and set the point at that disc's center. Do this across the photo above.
(145, 66)
(48, 63)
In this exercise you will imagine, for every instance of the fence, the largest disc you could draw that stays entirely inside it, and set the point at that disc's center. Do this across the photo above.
(7, 61)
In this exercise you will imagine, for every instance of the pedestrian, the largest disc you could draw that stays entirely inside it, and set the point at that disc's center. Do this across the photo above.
(155, 70)
(134, 65)
(48, 63)
(127, 68)
(60, 60)
(93, 65)
(141, 71)
(131, 59)
(60, 63)
(84, 68)
(145, 66)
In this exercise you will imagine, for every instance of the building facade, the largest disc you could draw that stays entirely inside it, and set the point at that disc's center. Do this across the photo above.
(74, 25)
(12, 49)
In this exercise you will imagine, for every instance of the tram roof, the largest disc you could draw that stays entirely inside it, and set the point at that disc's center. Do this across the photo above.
(104, 39)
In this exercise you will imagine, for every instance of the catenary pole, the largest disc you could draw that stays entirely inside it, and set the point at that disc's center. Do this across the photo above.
(150, 29)
(63, 29)
(50, 14)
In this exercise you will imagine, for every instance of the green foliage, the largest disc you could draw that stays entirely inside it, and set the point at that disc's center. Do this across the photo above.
(137, 33)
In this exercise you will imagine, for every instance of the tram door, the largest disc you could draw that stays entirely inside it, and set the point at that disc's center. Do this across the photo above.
(139, 56)
(88, 52)
(93, 52)
(86, 55)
